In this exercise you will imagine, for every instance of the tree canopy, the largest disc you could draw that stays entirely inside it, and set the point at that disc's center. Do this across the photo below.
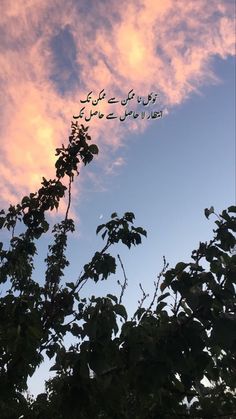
(175, 357)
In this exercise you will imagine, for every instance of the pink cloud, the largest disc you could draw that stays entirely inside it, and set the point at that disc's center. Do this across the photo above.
(146, 45)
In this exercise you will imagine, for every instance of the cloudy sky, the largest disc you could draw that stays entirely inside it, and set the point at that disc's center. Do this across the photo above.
(53, 53)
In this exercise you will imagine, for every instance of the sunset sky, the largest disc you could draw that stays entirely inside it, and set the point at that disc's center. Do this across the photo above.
(53, 53)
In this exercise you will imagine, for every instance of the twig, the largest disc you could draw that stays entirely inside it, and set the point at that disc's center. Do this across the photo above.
(144, 296)
(156, 284)
(124, 285)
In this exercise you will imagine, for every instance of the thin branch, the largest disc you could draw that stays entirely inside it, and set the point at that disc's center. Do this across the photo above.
(156, 283)
(144, 296)
(69, 199)
(124, 285)
(177, 306)
(140, 302)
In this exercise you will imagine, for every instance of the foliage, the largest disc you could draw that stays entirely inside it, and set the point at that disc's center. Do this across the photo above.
(152, 365)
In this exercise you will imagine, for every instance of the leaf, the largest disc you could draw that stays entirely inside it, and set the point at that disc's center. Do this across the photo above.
(120, 309)
(179, 386)
(112, 297)
(129, 216)
(138, 313)
(93, 148)
(140, 230)
(163, 296)
(104, 234)
(208, 211)
(76, 330)
(55, 367)
(99, 228)
(70, 285)
(160, 306)
(196, 267)
(180, 266)
(163, 286)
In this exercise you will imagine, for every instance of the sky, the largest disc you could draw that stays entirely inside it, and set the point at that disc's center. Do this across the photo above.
(166, 170)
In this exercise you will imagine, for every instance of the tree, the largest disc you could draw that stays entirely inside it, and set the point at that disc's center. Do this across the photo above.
(170, 359)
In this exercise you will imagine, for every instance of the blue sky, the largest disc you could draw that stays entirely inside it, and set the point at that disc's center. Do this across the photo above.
(179, 166)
